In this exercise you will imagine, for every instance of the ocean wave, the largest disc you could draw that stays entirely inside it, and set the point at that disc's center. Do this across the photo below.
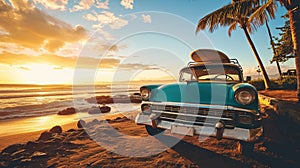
(34, 110)
(54, 107)
(19, 101)
(46, 94)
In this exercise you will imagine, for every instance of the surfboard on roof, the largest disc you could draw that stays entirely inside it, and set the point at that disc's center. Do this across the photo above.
(209, 56)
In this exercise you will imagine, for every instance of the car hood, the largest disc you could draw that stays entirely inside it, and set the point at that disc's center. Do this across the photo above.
(217, 93)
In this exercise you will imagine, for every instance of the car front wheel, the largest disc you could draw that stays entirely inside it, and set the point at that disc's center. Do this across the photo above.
(153, 131)
(245, 148)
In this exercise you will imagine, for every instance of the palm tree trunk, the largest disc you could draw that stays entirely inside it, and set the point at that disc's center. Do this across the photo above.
(294, 15)
(273, 48)
(279, 69)
(262, 68)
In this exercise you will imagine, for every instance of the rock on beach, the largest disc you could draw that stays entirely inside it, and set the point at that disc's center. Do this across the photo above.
(67, 111)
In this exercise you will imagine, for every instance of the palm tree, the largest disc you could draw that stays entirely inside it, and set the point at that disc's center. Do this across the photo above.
(237, 14)
(293, 7)
(274, 49)
(284, 49)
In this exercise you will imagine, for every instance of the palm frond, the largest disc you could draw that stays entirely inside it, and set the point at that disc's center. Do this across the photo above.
(232, 27)
(214, 19)
(285, 3)
(262, 13)
(245, 7)
(227, 15)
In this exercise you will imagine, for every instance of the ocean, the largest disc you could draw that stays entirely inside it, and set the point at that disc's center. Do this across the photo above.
(20, 101)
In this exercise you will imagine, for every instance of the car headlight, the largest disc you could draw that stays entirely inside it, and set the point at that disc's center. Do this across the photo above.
(244, 96)
(145, 93)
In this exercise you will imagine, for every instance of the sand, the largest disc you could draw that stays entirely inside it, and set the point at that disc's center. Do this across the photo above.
(23, 137)
(116, 141)
(23, 130)
(286, 95)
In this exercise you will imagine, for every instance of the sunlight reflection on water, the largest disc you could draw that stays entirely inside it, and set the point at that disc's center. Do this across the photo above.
(16, 126)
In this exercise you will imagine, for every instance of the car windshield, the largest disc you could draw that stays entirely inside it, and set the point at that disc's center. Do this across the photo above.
(211, 72)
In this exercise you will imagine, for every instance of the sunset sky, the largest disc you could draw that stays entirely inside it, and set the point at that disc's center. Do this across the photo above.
(62, 41)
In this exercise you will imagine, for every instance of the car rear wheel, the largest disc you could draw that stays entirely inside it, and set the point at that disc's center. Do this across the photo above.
(245, 148)
(153, 131)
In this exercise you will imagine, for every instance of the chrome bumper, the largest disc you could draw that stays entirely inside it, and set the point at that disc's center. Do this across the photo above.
(248, 135)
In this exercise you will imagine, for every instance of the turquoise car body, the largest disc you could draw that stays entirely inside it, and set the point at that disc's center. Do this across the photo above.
(201, 92)
(204, 101)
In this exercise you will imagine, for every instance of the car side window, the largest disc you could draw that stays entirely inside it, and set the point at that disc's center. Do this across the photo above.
(186, 76)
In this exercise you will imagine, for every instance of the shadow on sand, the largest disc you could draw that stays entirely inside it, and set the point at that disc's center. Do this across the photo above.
(199, 156)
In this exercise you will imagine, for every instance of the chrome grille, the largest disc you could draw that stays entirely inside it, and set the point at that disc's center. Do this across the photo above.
(194, 115)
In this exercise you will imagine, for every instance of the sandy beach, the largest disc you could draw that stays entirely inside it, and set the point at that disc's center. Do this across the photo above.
(30, 128)
(98, 145)
(23, 137)
(82, 149)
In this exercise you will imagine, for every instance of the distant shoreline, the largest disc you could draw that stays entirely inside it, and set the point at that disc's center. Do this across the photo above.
(140, 82)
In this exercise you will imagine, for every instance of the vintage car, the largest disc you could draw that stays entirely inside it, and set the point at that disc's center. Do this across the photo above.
(210, 99)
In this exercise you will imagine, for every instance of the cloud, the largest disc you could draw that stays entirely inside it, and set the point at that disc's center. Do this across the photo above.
(97, 46)
(102, 5)
(94, 47)
(87, 4)
(128, 4)
(133, 16)
(90, 17)
(136, 66)
(106, 35)
(146, 18)
(53, 4)
(88, 62)
(19, 4)
(106, 18)
(24, 68)
(22, 60)
(29, 27)
(83, 5)
(17, 49)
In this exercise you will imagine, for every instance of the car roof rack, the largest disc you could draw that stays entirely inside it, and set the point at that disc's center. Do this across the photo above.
(233, 61)
(236, 62)
(192, 63)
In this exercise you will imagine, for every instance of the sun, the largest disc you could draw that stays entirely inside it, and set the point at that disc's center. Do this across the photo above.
(45, 74)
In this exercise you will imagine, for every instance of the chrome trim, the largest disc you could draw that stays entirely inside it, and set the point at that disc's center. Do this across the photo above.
(193, 115)
(249, 135)
(208, 106)
(190, 122)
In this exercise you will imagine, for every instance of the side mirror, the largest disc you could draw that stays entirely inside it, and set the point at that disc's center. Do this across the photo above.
(248, 78)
